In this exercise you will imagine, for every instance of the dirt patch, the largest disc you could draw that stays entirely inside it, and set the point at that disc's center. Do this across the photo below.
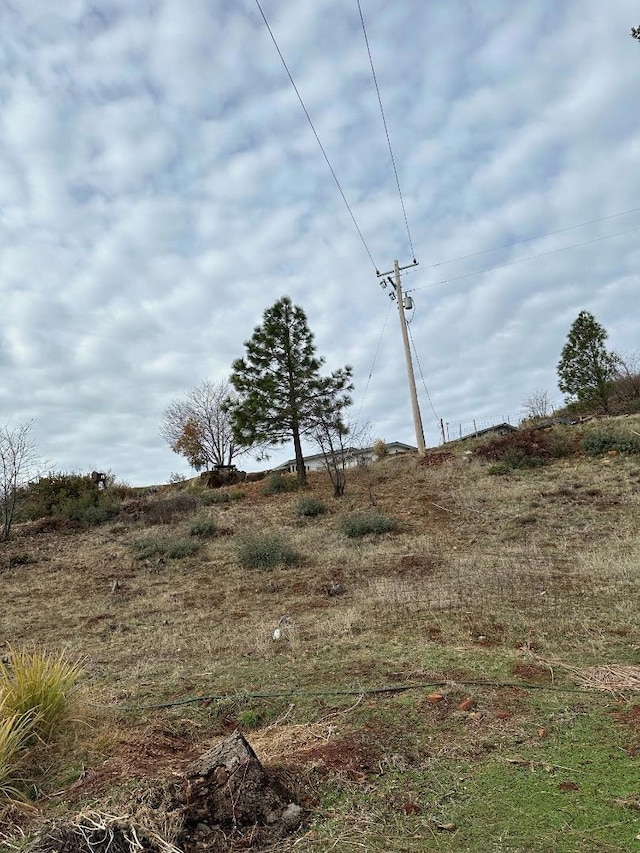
(356, 757)
(630, 722)
(532, 673)
(154, 753)
(432, 460)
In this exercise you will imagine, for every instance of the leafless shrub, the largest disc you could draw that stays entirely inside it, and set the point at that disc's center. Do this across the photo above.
(18, 460)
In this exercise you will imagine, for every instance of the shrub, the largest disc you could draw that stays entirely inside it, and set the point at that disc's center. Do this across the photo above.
(310, 506)
(256, 550)
(174, 549)
(362, 523)
(516, 449)
(597, 442)
(204, 527)
(38, 683)
(380, 448)
(275, 484)
(71, 496)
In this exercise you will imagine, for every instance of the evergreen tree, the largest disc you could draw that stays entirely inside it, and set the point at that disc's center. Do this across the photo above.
(280, 391)
(586, 369)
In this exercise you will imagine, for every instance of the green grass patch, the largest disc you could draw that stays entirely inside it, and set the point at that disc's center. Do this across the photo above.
(565, 794)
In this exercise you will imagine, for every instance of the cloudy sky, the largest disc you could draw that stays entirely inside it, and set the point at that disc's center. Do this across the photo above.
(160, 187)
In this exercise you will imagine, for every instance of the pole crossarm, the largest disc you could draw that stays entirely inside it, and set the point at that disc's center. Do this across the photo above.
(390, 272)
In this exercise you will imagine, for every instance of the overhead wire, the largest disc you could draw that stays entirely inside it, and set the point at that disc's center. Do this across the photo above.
(315, 133)
(529, 239)
(521, 260)
(386, 130)
(415, 352)
(384, 326)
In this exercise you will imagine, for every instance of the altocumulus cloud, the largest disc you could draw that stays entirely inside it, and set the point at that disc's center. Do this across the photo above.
(160, 186)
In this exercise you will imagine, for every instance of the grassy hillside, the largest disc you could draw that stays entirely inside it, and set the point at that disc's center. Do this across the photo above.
(436, 687)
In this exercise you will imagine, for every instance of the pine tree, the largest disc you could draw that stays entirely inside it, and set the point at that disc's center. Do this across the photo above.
(586, 369)
(280, 390)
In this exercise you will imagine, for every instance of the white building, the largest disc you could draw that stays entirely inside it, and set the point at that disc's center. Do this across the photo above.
(352, 456)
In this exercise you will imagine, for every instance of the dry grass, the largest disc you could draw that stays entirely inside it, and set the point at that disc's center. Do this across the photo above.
(484, 574)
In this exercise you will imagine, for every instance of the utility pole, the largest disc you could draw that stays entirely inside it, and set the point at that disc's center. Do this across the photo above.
(396, 283)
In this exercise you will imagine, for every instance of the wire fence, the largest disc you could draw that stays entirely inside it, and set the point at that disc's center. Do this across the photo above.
(455, 430)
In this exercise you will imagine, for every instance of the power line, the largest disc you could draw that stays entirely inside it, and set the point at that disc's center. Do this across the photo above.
(315, 133)
(384, 326)
(415, 352)
(537, 237)
(386, 130)
(522, 260)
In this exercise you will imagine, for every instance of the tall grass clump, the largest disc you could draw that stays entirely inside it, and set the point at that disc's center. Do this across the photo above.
(256, 550)
(15, 730)
(276, 484)
(364, 523)
(310, 506)
(38, 685)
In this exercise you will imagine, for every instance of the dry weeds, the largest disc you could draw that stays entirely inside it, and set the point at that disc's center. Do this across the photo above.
(485, 574)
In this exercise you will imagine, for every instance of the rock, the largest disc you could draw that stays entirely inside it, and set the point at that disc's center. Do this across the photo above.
(435, 697)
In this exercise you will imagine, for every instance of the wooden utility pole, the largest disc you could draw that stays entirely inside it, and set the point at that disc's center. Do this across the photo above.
(417, 419)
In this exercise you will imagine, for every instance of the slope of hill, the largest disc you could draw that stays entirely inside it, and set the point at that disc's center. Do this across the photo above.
(435, 687)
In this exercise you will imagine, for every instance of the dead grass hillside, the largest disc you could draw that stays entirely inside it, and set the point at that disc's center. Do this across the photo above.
(486, 584)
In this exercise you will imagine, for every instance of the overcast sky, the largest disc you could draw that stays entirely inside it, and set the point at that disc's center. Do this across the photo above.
(160, 187)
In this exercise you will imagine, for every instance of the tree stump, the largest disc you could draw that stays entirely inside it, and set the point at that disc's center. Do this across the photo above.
(228, 787)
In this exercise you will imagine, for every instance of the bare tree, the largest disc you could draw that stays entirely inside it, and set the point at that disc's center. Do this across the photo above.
(635, 33)
(627, 375)
(339, 442)
(18, 460)
(199, 428)
(537, 405)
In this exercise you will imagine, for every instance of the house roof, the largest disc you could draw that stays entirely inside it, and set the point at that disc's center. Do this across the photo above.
(348, 451)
